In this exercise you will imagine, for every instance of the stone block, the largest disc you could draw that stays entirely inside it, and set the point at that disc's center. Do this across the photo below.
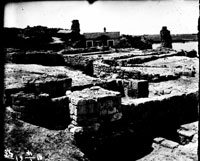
(76, 100)
(136, 88)
(169, 144)
(84, 120)
(52, 85)
(186, 133)
(76, 129)
(78, 110)
(185, 136)
(190, 126)
(91, 104)
(22, 98)
(158, 140)
(91, 107)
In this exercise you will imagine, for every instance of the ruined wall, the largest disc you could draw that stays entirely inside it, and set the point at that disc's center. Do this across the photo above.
(93, 107)
(41, 109)
(163, 110)
(106, 71)
(54, 86)
(79, 62)
(129, 88)
(35, 57)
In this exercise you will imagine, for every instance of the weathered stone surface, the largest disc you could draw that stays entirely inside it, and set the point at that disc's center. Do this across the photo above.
(94, 104)
(174, 108)
(36, 79)
(190, 126)
(152, 74)
(158, 140)
(76, 129)
(187, 132)
(36, 57)
(79, 62)
(135, 88)
(169, 144)
(41, 109)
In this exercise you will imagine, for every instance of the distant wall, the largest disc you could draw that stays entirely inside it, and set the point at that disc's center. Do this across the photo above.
(35, 57)
(104, 70)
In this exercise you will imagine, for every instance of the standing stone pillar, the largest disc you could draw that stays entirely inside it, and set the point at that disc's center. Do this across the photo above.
(166, 39)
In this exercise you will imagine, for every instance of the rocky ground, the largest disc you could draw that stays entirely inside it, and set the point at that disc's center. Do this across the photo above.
(164, 149)
(21, 137)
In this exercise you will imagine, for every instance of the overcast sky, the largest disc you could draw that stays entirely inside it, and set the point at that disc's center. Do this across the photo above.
(128, 17)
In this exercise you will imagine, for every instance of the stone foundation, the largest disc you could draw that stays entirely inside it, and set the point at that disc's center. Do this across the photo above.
(93, 106)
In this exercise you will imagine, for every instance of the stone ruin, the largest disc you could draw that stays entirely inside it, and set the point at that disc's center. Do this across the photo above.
(166, 39)
(115, 101)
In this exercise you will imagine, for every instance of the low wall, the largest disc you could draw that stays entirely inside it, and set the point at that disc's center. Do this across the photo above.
(104, 70)
(144, 58)
(95, 108)
(41, 109)
(79, 62)
(157, 111)
(131, 88)
(55, 86)
(35, 57)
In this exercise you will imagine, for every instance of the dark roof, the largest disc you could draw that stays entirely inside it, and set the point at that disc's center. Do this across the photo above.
(95, 35)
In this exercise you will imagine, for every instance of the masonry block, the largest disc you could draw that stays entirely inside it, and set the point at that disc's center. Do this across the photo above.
(21, 98)
(187, 132)
(135, 88)
(91, 105)
(169, 144)
(54, 86)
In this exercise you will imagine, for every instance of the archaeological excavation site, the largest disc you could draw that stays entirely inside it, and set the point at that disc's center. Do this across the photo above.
(124, 104)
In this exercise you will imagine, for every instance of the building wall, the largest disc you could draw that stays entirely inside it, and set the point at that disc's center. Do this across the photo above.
(109, 42)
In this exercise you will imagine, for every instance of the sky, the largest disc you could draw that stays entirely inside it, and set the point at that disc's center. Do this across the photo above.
(128, 17)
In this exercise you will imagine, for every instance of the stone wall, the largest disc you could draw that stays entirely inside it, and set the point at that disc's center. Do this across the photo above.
(127, 87)
(93, 107)
(41, 109)
(167, 109)
(102, 70)
(54, 86)
(35, 57)
(137, 58)
(79, 62)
